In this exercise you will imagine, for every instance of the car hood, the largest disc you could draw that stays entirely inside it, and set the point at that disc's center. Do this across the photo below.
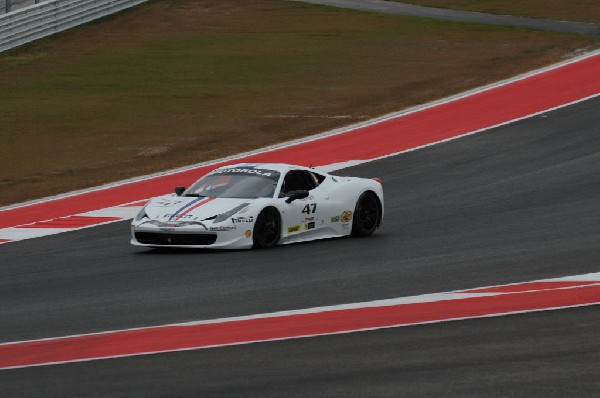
(183, 208)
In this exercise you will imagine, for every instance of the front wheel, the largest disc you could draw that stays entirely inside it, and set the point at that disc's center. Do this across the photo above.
(366, 215)
(267, 229)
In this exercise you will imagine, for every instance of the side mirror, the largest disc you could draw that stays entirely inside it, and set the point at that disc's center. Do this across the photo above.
(179, 190)
(296, 195)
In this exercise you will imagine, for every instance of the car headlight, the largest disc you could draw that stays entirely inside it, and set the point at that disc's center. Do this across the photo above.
(141, 215)
(224, 216)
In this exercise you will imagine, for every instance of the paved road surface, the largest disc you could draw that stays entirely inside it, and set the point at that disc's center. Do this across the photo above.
(392, 7)
(513, 204)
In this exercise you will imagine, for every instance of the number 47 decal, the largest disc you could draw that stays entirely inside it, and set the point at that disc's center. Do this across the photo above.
(309, 208)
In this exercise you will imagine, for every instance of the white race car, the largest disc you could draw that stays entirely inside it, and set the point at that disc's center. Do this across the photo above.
(260, 205)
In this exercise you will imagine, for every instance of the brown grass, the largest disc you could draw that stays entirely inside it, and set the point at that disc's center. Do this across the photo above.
(177, 82)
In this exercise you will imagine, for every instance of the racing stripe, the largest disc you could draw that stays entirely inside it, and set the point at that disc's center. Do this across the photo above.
(202, 202)
(182, 208)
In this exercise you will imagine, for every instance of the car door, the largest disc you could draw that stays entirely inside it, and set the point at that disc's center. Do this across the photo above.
(301, 215)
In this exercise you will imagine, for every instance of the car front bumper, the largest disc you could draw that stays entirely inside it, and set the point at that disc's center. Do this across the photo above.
(227, 236)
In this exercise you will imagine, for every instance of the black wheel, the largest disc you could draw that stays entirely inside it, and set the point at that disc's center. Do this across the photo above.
(366, 215)
(267, 228)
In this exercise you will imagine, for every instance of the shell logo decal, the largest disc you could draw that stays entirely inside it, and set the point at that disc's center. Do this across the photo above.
(346, 216)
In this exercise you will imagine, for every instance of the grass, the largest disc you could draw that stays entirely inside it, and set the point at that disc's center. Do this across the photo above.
(177, 82)
(573, 10)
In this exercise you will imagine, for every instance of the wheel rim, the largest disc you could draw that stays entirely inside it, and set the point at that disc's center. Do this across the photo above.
(368, 213)
(267, 229)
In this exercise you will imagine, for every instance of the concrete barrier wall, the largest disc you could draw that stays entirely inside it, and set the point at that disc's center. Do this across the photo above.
(44, 19)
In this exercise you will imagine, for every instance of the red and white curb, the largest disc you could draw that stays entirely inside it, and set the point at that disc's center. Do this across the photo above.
(469, 113)
(542, 295)
(69, 223)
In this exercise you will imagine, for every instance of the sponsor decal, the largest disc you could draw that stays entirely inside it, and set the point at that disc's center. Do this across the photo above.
(167, 203)
(260, 172)
(308, 226)
(345, 226)
(309, 218)
(346, 216)
(167, 225)
(335, 219)
(186, 217)
(248, 233)
(242, 219)
(223, 229)
(171, 225)
(292, 229)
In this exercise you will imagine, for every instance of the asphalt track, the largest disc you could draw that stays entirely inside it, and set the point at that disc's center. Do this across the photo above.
(512, 204)
(396, 8)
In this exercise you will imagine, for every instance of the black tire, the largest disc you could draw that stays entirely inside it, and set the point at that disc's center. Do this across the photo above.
(366, 215)
(267, 229)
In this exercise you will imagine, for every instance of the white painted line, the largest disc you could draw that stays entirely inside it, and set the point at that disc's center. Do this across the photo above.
(358, 162)
(16, 234)
(321, 334)
(120, 212)
(418, 299)
(125, 213)
(317, 136)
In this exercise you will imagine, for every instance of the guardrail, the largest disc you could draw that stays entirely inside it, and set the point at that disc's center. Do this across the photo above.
(12, 5)
(44, 19)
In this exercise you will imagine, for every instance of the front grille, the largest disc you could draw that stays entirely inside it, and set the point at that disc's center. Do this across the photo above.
(166, 239)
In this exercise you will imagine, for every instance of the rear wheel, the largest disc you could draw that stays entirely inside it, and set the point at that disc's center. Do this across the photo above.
(267, 228)
(366, 215)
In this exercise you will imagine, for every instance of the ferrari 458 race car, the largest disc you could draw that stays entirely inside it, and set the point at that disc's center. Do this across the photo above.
(260, 205)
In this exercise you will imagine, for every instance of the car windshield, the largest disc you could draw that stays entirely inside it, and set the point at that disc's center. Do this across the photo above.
(242, 183)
